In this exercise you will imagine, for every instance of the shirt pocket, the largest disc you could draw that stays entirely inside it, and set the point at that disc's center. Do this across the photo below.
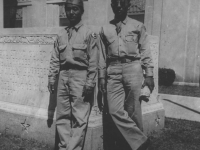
(131, 42)
(62, 52)
(79, 51)
(131, 38)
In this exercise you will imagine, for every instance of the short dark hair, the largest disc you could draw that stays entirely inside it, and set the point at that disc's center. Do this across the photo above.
(81, 7)
(115, 1)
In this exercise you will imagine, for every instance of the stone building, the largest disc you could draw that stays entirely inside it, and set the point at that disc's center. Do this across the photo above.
(175, 22)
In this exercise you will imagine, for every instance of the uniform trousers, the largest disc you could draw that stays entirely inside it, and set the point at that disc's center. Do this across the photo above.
(72, 109)
(124, 82)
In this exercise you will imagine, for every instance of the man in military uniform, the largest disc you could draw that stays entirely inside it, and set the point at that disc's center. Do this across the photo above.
(124, 56)
(74, 58)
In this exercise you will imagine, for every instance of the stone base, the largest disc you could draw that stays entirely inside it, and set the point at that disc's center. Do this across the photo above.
(32, 127)
(11, 123)
(27, 127)
(94, 136)
(153, 117)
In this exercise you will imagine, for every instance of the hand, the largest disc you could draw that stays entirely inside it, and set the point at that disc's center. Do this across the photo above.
(87, 90)
(102, 86)
(51, 87)
(49, 122)
(149, 82)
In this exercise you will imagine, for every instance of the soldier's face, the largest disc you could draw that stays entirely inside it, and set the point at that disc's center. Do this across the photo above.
(73, 12)
(120, 7)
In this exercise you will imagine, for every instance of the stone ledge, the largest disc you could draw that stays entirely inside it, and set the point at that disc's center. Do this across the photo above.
(42, 113)
(153, 117)
(24, 110)
(38, 130)
(152, 107)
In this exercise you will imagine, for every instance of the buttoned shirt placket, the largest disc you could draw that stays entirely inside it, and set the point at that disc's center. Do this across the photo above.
(121, 49)
(72, 34)
(118, 29)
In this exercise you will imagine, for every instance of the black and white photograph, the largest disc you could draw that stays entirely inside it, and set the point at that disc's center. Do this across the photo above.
(99, 74)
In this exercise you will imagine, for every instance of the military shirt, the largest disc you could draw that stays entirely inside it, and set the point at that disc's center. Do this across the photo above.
(75, 46)
(126, 39)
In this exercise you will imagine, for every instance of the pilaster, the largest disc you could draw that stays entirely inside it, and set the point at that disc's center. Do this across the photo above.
(1, 13)
(149, 15)
(97, 13)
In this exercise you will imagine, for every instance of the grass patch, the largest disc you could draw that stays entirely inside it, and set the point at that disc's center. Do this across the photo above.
(184, 90)
(13, 142)
(177, 135)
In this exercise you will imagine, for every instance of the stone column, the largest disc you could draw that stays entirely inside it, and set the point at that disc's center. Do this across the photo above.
(52, 15)
(35, 14)
(97, 13)
(1, 13)
(153, 111)
(149, 15)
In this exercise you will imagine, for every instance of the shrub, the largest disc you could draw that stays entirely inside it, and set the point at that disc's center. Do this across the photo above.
(166, 76)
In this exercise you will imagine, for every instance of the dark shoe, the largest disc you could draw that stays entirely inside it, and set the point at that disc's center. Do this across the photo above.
(145, 145)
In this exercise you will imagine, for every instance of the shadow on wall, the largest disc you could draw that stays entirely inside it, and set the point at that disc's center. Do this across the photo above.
(10, 10)
(51, 113)
(52, 106)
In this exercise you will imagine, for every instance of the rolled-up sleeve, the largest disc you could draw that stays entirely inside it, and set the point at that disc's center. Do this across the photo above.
(145, 52)
(54, 63)
(102, 55)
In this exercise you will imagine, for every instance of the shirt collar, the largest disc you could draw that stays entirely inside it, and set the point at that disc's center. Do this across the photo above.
(119, 23)
(77, 26)
(125, 20)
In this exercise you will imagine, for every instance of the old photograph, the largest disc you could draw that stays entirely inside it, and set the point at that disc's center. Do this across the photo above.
(99, 74)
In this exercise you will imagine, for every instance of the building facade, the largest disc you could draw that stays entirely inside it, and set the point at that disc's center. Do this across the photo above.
(27, 32)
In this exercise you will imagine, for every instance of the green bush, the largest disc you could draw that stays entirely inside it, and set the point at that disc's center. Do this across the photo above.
(166, 76)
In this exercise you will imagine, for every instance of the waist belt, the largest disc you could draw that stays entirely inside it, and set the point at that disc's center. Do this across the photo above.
(73, 67)
(112, 61)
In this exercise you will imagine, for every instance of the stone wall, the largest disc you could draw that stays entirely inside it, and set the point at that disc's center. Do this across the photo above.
(24, 57)
(27, 108)
(179, 39)
(177, 26)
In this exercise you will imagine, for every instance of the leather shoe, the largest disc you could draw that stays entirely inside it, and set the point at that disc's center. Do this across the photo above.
(145, 145)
